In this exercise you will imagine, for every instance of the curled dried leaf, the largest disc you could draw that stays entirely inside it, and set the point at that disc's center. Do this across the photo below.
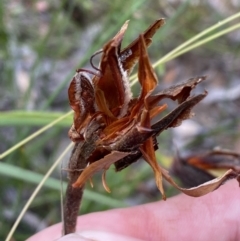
(206, 187)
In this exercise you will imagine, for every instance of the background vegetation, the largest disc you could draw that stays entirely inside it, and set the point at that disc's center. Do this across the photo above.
(41, 45)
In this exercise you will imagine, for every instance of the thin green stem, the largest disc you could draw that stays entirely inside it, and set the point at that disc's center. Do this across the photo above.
(232, 28)
(175, 51)
(34, 194)
(198, 36)
(35, 134)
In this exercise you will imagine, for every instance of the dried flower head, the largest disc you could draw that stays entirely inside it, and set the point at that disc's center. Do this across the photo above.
(119, 126)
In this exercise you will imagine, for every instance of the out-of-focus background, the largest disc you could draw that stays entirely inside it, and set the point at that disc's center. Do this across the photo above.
(41, 45)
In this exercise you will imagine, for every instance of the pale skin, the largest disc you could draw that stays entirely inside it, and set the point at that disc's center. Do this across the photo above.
(215, 216)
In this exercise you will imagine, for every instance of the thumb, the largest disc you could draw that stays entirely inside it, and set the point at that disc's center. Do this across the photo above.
(90, 235)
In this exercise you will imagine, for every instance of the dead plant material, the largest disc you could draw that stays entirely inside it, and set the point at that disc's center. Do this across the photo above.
(112, 127)
(196, 169)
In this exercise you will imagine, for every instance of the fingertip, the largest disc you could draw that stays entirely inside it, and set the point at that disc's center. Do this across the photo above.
(89, 235)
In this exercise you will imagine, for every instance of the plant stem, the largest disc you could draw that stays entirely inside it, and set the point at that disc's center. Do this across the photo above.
(78, 161)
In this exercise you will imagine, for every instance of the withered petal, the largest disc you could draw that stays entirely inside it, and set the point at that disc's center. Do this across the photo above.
(182, 112)
(106, 187)
(146, 77)
(146, 74)
(102, 103)
(81, 98)
(102, 164)
(130, 55)
(114, 80)
(178, 92)
(206, 187)
(148, 152)
(157, 110)
(116, 131)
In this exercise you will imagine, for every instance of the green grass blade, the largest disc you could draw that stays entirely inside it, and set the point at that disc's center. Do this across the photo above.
(33, 118)
(34, 178)
(34, 135)
(133, 78)
(199, 43)
(38, 188)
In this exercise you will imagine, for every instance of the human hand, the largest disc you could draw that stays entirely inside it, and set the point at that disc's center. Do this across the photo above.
(215, 216)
